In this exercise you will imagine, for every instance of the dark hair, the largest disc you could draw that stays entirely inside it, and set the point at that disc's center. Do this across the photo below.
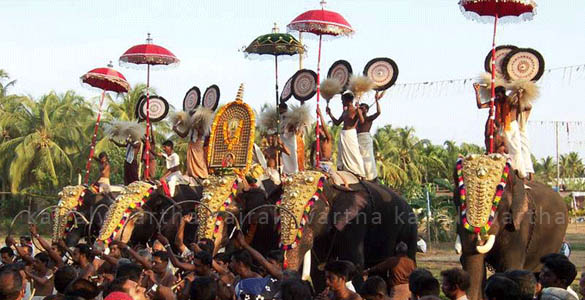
(277, 255)
(7, 250)
(102, 155)
(244, 257)
(129, 271)
(341, 268)
(501, 288)
(26, 238)
(204, 257)
(206, 244)
(365, 105)
(203, 288)
(83, 288)
(560, 265)
(10, 292)
(43, 258)
(282, 105)
(401, 248)
(500, 89)
(525, 281)
(168, 143)
(294, 289)
(457, 277)
(373, 286)
(223, 257)
(347, 96)
(63, 277)
(164, 256)
(422, 283)
(85, 250)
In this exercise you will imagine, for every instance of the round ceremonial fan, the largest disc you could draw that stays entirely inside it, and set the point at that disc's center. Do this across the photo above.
(501, 52)
(304, 85)
(159, 108)
(382, 71)
(523, 64)
(287, 90)
(192, 99)
(211, 97)
(342, 71)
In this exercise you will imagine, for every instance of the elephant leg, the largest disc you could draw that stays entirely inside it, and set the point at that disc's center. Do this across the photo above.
(353, 234)
(475, 265)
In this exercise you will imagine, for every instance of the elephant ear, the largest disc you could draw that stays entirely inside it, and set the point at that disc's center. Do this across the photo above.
(519, 205)
(346, 207)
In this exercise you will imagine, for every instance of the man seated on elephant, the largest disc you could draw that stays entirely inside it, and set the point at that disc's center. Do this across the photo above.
(557, 271)
(375, 288)
(349, 157)
(326, 151)
(337, 274)
(173, 175)
(273, 154)
(104, 166)
(455, 282)
(400, 267)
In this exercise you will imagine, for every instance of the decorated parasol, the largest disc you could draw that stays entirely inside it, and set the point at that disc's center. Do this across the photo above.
(105, 79)
(275, 44)
(148, 55)
(490, 11)
(320, 22)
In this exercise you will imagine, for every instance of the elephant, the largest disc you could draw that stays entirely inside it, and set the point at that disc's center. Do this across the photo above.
(527, 223)
(362, 226)
(157, 213)
(94, 207)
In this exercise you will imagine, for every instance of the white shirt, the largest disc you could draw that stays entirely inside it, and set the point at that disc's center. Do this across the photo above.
(130, 151)
(172, 160)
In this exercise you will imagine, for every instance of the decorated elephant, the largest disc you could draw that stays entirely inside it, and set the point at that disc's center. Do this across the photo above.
(502, 222)
(362, 226)
(142, 209)
(79, 210)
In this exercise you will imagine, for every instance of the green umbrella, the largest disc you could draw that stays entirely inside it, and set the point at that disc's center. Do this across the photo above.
(276, 44)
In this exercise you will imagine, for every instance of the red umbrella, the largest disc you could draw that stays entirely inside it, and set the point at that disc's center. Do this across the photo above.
(105, 79)
(320, 22)
(488, 11)
(148, 54)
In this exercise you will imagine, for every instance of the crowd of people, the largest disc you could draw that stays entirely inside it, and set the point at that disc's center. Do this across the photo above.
(239, 272)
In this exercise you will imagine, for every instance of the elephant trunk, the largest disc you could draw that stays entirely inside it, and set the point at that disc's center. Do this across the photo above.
(485, 248)
(475, 266)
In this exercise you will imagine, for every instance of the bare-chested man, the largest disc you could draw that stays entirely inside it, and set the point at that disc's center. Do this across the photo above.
(104, 167)
(337, 274)
(499, 106)
(272, 153)
(365, 138)
(349, 157)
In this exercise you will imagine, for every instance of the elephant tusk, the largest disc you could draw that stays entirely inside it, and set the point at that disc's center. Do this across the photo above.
(458, 245)
(488, 245)
(306, 275)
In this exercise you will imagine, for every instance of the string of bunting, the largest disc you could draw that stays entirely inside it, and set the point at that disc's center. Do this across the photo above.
(440, 88)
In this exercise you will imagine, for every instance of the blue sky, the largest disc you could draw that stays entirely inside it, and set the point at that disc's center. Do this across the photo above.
(49, 44)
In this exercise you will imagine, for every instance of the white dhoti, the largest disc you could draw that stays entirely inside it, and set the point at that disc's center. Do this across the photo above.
(518, 150)
(367, 151)
(349, 157)
(173, 180)
(290, 164)
(104, 185)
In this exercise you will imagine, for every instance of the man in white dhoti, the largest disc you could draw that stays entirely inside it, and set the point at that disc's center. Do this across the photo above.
(515, 135)
(173, 175)
(290, 164)
(365, 138)
(349, 157)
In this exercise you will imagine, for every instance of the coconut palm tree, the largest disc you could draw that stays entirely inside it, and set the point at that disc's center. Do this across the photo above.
(545, 169)
(571, 165)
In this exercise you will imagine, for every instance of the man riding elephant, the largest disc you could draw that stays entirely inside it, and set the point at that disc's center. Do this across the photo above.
(501, 223)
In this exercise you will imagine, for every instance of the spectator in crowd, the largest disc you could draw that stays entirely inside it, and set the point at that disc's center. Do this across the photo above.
(7, 255)
(83, 257)
(374, 288)
(557, 271)
(454, 283)
(11, 283)
(295, 289)
(499, 287)
(337, 273)
(525, 281)
(556, 293)
(582, 285)
(400, 267)
(422, 283)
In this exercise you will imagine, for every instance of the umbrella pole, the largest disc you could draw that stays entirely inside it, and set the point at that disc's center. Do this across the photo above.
(492, 122)
(146, 169)
(300, 55)
(317, 139)
(93, 139)
(277, 112)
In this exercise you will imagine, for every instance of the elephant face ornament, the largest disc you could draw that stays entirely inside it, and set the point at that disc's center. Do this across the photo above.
(71, 198)
(481, 183)
(218, 193)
